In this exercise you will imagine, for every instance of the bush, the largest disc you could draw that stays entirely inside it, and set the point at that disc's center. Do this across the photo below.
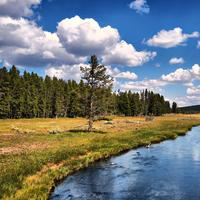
(56, 131)
(85, 131)
(149, 118)
(108, 122)
(103, 118)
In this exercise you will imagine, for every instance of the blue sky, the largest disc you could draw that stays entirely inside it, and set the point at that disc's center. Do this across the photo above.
(150, 44)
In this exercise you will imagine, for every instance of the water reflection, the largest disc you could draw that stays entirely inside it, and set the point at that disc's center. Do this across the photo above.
(169, 170)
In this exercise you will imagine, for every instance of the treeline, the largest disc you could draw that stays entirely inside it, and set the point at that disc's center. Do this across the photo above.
(29, 96)
(145, 103)
(189, 109)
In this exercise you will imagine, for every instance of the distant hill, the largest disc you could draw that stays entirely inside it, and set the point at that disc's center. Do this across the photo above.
(189, 109)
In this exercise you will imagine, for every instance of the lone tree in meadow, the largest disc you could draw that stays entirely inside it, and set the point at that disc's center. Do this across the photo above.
(174, 107)
(96, 79)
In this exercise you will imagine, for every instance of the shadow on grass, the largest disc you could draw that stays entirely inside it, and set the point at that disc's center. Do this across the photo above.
(86, 131)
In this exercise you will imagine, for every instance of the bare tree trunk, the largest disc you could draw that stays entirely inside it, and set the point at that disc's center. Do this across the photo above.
(91, 117)
(90, 124)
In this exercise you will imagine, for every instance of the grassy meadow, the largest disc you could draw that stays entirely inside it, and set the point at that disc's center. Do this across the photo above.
(33, 158)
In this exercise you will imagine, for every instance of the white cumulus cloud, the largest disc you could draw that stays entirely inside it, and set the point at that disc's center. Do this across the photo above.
(65, 72)
(171, 38)
(85, 36)
(140, 6)
(23, 43)
(125, 54)
(127, 75)
(17, 8)
(198, 44)
(183, 75)
(174, 61)
(192, 97)
(151, 84)
(194, 91)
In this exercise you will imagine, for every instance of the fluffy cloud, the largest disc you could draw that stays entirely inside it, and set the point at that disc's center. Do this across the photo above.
(66, 72)
(195, 71)
(17, 8)
(198, 44)
(187, 100)
(171, 38)
(183, 75)
(152, 84)
(192, 100)
(140, 6)
(125, 54)
(17, 33)
(127, 75)
(85, 36)
(117, 74)
(174, 61)
(194, 91)
(193, 95)
(23, 43)
(180, 75)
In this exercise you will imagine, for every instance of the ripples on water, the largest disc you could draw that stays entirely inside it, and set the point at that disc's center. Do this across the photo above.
(166, 171)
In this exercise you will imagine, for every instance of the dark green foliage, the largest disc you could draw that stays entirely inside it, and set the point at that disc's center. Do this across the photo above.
(189, 109)
(123, 104)
(99, 85)
(174, 107)
(29, 96)
(5, 99)
(15, 87)
(146, 103)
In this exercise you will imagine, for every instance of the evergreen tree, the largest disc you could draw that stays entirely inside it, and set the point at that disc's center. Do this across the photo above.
(174, 107)
(5, 97)
(167, 107)
(15, 91)
(123, 104)
(48, 91)
(96, 78)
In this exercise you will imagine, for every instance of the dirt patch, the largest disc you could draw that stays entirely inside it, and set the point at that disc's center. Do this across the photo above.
(17, 149)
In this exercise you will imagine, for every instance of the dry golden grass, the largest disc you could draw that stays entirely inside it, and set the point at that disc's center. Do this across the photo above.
(18, 135)
(39, 125)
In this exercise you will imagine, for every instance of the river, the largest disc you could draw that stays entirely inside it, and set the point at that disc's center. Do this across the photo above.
(166, 171)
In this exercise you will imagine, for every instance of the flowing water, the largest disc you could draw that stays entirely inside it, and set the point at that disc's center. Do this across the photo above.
(166, 171)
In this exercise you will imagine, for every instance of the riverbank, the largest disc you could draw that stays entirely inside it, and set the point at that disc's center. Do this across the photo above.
(168, 170)
(32, 160)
